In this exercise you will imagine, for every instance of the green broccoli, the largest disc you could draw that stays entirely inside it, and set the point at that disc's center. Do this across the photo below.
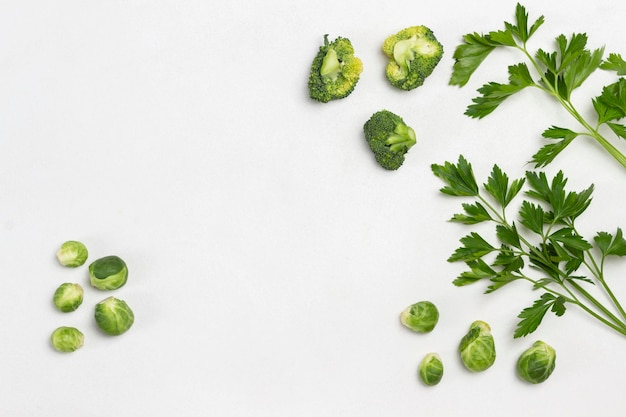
(413, 54)
(389, 138)
(335, 70)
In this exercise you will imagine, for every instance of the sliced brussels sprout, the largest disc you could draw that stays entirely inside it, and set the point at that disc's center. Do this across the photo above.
(536, 363)
(72, 254)
(108, 273)
(430, 369)
(421, 317)
(67, 339)
(477, 347)
(114, 316)
(68, 297)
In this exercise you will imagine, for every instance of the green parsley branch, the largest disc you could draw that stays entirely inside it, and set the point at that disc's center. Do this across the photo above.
(556, 73)
(546, 241)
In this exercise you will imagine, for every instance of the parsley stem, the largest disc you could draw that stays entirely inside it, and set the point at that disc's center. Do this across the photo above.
(611, 320)
(598, 272)
(610, 294)
(593, 133)
(571, 298)
(616, 323)
(500, 216)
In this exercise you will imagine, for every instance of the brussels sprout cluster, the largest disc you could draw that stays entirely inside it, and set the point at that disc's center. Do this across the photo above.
(112, 315)
(476, 349)
(422, 317)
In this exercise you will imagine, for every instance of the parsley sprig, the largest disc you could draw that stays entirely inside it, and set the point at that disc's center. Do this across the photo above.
(542, 246)
(558, 73)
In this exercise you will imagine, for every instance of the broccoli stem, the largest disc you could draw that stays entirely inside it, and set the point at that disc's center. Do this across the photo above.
(331, 66)
(403, 138)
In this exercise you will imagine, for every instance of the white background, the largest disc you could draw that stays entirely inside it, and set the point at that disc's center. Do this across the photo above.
(269, 255)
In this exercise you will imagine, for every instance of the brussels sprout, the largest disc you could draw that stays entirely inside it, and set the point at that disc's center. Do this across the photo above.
(430, 369)
(68, 297)
(67, 339)
(108, 273)
(114, 316)
(536, 364)
(72, 254)
(420, 317)
(477, 348)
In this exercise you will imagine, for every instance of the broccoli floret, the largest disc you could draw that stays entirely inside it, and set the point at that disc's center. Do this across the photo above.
(335, 70)
(389, 138)
(413, 54)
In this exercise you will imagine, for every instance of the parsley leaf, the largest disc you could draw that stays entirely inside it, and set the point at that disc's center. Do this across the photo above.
(498, 186)
(474, 213)
(508, 235)
(459, 178)
(618, 129)
(476, 47)
(533, 315)
(532, 216)
(616, 63)
(469, 56)
(500, 281)
(611, 104)
(493, 94)
(547, 153)
(521, 30)
(474, 247)
(478, 270)
(565, 206)
(611, 245)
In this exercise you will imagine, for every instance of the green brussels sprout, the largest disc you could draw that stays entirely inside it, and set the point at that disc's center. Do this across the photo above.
(420, 317)
(108, 273)
(67, 339)
(68, 297)
(430, 369)
(536, 363)
(477, 348)
(72, 254)
(114, 316)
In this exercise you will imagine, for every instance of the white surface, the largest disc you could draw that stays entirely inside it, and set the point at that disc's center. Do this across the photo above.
(269, 256)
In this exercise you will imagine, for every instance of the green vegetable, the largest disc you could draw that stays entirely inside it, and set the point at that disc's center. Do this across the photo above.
(430, 369)
(557, 73)
(536, 364)
(477, 347)
(335, 70)
(67, 339)
(543, 247)
(389, 138)
(421, 317)
(72, 254)
(68, 297)
(114, 316)
(108, 273)
(413, 54)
